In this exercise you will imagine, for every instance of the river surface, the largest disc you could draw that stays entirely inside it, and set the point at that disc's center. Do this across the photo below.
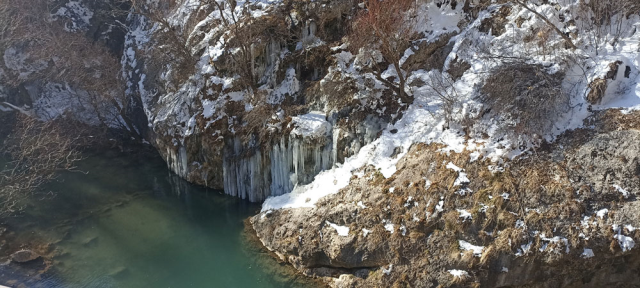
(127, 222)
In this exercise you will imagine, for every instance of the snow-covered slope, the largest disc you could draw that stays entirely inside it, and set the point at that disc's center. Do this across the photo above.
(425, 120)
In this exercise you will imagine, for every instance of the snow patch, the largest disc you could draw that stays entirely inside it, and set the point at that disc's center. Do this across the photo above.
(342, 230)
(466, 246)
(587, 253)
(461, 274)
(465, 215)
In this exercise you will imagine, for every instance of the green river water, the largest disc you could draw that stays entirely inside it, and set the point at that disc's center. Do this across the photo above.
(127, 222)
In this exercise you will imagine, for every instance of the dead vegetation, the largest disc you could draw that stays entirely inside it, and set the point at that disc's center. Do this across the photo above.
(423, 203)
(171, 46)
(36, 152)
(603, 20)
(526, 96)
(387, 27)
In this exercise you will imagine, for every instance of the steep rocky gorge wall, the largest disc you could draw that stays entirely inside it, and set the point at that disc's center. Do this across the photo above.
(213, 131)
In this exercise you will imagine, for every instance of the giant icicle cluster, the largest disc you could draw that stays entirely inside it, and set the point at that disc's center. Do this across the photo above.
(291, 161)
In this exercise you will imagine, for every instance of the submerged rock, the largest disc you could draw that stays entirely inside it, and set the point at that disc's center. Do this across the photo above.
(24, 256)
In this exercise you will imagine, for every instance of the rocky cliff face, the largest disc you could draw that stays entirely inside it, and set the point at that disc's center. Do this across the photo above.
(303, 114)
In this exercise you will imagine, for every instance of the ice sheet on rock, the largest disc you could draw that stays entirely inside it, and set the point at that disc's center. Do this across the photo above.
(313, 124)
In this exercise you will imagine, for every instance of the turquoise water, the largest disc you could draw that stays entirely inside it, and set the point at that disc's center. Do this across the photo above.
(127, 222)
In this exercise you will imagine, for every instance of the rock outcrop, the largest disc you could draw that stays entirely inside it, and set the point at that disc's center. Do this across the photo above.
(565, 215)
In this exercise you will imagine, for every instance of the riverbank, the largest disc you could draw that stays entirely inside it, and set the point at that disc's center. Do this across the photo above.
(565, 215)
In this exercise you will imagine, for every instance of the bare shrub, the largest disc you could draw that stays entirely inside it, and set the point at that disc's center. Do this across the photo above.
(37, 151)
(386, 26)
(442, 85)
(526, 94)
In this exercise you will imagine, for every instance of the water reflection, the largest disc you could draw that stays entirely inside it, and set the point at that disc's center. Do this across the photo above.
(128, 222)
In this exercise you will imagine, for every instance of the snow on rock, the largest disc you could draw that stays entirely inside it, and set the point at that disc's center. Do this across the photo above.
(389, 227)
(454, 167)
(465, 215)
(554, 240)
(434, 21)
(342, 230)
(313, 124)
(524, 249)
(424, 120)
(626, 243)
(403, 230)
(602, 213)
(208, 108)
(461, 274)
(462, 177)
(624, 192)
(290, 86)
(439, 207)
(587, 253)
(79, 15)
(365, 232)
(388, 270)
(466, 246)
(630, 228)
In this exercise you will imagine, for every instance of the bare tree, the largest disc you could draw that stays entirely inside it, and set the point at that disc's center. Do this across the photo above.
(37, 151)
(386, 26)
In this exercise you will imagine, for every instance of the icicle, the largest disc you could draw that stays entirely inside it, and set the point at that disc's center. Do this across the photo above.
(255, 174)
